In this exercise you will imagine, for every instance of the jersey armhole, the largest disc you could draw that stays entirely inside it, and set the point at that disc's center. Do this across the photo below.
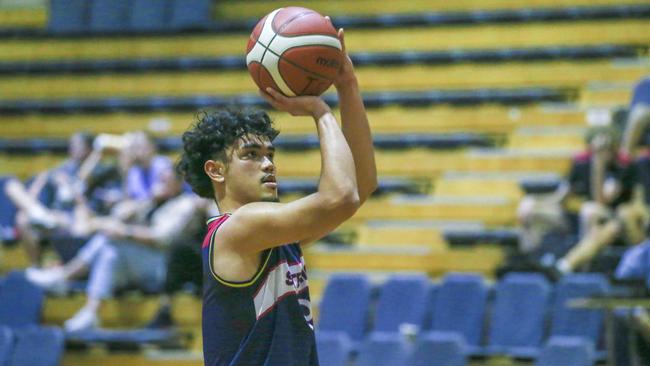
(234, 284)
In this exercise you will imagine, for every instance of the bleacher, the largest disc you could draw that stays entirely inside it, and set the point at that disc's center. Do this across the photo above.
(472, 105)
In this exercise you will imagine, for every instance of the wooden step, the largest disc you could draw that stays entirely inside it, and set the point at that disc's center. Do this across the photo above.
(496, 212)
(482, 259)
(368, 40)
(494, 119)
(425, 163)
(564, 74)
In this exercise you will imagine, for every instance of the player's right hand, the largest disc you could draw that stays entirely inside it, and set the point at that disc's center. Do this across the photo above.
(296, 106)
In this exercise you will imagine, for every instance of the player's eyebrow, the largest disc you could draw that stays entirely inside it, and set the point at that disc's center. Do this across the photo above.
(255, 145)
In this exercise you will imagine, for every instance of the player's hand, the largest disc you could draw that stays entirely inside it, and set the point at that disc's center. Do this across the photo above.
(346, 75)
(296, 106)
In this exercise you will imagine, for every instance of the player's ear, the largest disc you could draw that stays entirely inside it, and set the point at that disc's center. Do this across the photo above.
(215, 170)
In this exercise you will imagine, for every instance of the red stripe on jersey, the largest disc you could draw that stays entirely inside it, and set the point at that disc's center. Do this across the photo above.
(212, 227)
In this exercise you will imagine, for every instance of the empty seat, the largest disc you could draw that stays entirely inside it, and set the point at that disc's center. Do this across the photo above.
(567, 321)
(344, 307)
(68, 16)
(518, 318)
(38, 346)
(109, 15)
(149, 15)
(440, 349)
(190, 14)
(21, 301)
(460, 306)
(386, 349)
(333, 348)
(403, 300)
(6, 344)
(574, 351)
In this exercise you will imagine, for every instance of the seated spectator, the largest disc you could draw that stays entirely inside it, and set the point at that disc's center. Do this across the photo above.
(606, 179)
(67, 209)
(128, 253)
(600, 197)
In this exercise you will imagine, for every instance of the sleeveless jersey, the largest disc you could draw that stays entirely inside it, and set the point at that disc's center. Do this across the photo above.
(264, 321)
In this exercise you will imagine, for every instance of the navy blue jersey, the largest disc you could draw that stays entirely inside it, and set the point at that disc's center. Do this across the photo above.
(264, 321)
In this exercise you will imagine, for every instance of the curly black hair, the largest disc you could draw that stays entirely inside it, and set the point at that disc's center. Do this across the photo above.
(210, 136)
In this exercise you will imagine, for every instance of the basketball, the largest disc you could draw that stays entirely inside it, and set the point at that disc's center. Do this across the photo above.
(295, 51)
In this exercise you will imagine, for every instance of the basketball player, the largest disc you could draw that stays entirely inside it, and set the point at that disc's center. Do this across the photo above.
(256, 307)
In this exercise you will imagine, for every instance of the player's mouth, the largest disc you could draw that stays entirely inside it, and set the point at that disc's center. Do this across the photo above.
(269, 181)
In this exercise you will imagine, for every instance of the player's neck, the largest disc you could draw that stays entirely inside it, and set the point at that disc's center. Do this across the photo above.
(227, 205)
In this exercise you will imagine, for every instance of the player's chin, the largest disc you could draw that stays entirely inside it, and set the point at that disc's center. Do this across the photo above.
(269, 198)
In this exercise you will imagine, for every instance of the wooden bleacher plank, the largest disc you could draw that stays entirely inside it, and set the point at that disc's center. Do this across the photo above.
(562, 74)
(23, 17)
(438, 119)
(79, 358)
(258, 8)
(606, 97)
(566, 141)
(379, 236)
(475, 186)
(430, 163)
(491, 213)
(369, 40)
(482, 259)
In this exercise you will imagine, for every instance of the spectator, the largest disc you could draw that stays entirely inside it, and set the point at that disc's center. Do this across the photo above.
(128, 253)
(606, 179)
(64, 211)
(142, 165)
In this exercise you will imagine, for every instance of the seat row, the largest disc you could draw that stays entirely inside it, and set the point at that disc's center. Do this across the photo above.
(513, 317)
(137, 16)
(513, 96)
(360, 59)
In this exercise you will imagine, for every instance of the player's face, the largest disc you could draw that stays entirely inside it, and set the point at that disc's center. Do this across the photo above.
(251, 174)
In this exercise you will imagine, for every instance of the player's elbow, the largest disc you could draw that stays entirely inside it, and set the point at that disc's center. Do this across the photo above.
(343, 204)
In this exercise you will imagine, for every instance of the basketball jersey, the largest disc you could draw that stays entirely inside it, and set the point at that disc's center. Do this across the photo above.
(264, 321)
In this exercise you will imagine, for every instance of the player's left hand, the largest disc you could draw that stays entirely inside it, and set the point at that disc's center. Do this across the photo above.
(346, 75)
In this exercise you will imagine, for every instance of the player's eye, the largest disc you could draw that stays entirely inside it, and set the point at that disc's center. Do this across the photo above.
(251, 154)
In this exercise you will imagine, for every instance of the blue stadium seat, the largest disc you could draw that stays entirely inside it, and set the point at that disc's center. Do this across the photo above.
(333, 348)
(7, 214)
(190, 14)
(109, 15)
(68, 16)
(584, 323)
(574, 351)
(403, 299)
(386, 349)
(517, 326)
(41, 346)
(149, 15)
(21, 302)
(344, 307)
(641, 92)
(440, 349)
(460, 306)
(6, 344)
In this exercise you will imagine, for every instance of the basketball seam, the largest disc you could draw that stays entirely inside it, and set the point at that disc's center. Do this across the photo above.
(285, 24)
(306, 86)
(298, 66)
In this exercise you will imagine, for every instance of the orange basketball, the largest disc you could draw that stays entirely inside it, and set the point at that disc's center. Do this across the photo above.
(295, 51)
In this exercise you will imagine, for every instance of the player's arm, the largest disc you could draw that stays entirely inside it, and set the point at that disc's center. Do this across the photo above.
(261, 225)
(355, 126)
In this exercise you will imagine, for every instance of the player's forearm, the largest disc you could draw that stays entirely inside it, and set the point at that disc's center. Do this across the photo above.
(338, 184)
(356, 130)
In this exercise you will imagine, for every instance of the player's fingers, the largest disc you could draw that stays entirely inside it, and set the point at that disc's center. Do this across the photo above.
(269, 99)
(342, 38)
(276, 95)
